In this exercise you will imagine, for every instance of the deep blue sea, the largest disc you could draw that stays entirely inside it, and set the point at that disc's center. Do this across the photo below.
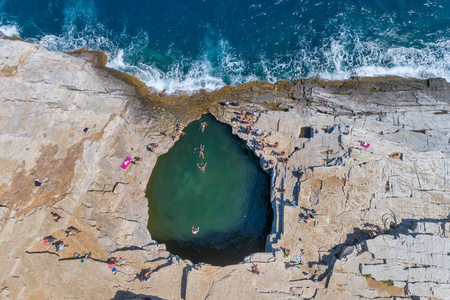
(177, 45)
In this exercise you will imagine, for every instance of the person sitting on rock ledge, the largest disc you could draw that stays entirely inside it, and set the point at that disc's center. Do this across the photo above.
(180, 131)
(249, 129)
(377, 230)
(135, 160)
(262, 143)
(152, 147)
(243, 114)
(175, 138)
(258, 132)
(255, 269)
(145, 275)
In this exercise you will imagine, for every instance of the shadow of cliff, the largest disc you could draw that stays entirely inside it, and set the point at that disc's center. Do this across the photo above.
(359, 235)
(120, 295)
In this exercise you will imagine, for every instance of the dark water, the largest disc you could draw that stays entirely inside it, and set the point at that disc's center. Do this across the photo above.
(189, 45)
(229, 201)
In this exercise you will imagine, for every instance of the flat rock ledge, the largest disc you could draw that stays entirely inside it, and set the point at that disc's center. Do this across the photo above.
(400, 183)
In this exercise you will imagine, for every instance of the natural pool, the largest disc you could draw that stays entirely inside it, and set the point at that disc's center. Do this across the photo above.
(228, 201)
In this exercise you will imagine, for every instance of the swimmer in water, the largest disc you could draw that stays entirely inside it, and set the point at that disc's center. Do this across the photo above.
(201, 154)
(203, 126)
(202, 168)
(195, 230)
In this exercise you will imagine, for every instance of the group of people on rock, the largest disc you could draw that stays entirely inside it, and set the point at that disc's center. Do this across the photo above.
(59, 245)
(246, 117)
(113, 261)
(305, 217)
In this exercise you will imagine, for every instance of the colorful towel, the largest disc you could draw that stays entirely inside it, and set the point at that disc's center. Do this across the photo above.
(126, 162)
(364, 144)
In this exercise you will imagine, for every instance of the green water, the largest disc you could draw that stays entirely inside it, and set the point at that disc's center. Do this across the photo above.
(229, 200)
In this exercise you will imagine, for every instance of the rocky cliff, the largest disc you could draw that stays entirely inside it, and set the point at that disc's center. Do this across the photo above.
(400, 181)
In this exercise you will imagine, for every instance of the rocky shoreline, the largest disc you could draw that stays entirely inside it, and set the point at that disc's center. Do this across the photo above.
(47, 98)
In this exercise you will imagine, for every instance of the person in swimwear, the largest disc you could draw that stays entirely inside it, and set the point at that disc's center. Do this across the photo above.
(201, 154)
(202, 168)
(203, 126)
(195, 230)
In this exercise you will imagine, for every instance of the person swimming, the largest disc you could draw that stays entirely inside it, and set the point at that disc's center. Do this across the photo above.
(202, 168)
(203, 126)
(195, 230)
(201, 154)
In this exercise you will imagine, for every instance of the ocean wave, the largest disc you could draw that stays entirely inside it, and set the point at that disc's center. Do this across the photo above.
(218, 66)
(10, 30)
(337, 58)
(346, 55)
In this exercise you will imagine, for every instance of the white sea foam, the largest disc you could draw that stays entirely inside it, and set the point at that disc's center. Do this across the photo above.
(190, 76)
(175, 80)
(10, 30)
(339, 57)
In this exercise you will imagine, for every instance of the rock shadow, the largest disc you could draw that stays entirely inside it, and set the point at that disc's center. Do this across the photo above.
(129, 295)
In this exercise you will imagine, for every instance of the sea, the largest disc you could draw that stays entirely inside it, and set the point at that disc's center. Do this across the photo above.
(180, 46)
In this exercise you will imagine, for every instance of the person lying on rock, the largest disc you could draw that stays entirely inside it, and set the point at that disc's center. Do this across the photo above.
(59, 245)
(112, 262)
(56, 217)
(48, 240)
(72, 231)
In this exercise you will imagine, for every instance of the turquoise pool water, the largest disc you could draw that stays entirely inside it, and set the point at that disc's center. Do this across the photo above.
(228, 201)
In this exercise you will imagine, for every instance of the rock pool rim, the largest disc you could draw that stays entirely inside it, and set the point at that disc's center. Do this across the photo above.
(236, 238)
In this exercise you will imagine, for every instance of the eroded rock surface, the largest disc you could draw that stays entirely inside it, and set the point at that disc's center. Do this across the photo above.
(47, 98)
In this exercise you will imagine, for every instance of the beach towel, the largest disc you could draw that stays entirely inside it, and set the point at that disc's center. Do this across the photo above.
(126, 162)
(364, 144)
